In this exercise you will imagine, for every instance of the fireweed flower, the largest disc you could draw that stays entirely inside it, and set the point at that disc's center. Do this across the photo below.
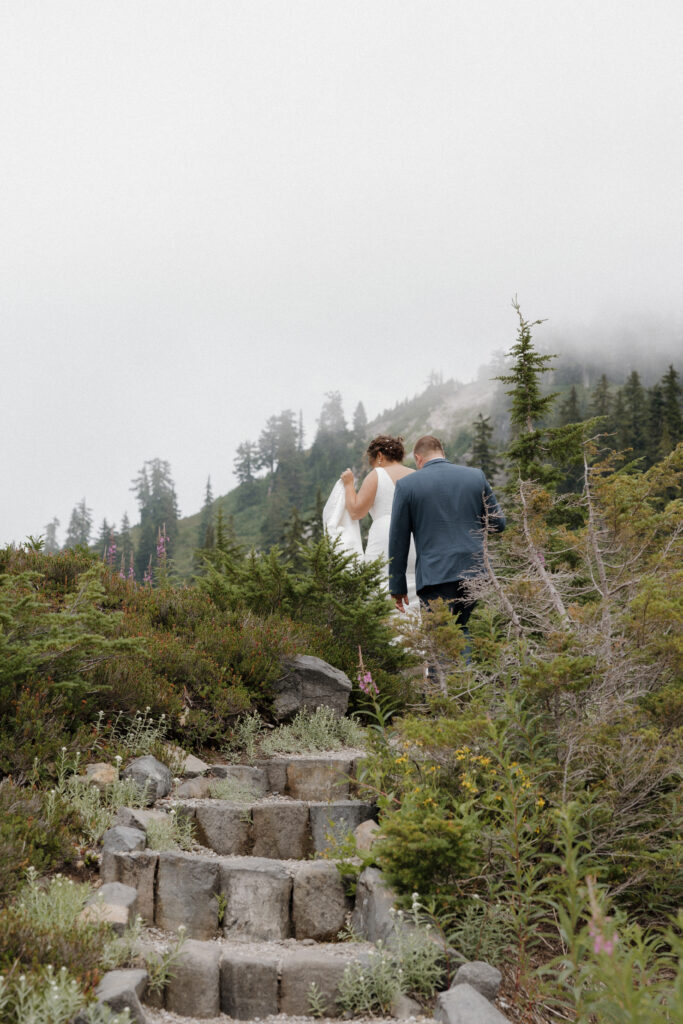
(604, 938)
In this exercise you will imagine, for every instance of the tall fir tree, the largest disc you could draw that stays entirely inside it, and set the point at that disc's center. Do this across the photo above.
(601, 399)
(206, 519)
(155, 492)
(673, 418)
(655, 423)
(80, 526)
(51, 545)
(635, 412)
(569, 410)
(125, 541)
(245, 462)
(483, 453)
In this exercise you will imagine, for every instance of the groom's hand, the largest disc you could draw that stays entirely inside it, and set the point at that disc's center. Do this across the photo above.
(401, 601)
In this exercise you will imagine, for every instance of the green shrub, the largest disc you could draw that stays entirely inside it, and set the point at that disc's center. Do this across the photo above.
(31, 834)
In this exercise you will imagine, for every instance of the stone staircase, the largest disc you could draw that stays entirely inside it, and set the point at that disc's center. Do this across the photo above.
(261, 915)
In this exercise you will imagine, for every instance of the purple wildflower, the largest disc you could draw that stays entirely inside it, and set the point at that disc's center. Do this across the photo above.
(162, 538)
(111, 550)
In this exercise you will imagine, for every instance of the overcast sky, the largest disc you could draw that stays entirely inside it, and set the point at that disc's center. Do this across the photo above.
(213, 210)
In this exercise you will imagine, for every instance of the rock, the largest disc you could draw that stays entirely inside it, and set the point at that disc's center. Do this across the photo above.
(152, 777)
(374, 900)
(193, 989)
(403, 1006)
(310, 682)
(101, 774)
(301, 969)
(480, 975)
(255, 778)
(193, 789)
(336, 820)
(275, 771)
(319, 903)
(187, 894)
(318, 780)
(281, 830)
(138, 870)
(134, 817)
(223, 827)
(464, 1005)
(121, 990)
(119, 839)
(193, 767)
(249, 985)
(366, 834)
(114, 903)
(257, 896)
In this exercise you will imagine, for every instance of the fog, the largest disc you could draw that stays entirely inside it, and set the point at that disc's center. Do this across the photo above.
(213, 211)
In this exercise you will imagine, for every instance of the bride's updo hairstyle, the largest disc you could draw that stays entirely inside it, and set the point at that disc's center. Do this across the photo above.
(390, 447)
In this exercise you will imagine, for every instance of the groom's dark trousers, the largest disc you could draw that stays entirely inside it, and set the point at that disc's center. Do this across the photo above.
(444, 508)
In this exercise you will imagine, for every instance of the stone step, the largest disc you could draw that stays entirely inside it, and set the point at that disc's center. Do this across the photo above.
(248, 981)
(280, 829)
(246, 898)
(325, 776)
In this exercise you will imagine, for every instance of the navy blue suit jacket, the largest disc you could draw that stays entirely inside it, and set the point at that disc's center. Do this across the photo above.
(442, 506)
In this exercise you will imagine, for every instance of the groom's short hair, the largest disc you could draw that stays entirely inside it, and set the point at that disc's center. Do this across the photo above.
(428, 443)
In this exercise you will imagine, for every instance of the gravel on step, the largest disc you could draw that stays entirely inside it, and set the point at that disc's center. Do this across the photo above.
(165, 1017)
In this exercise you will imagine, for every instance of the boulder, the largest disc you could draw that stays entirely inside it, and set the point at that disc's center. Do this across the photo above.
(310, 683)
(187, 894)
(480, 975)
(193, 767)
(152, 777)
(101, 774)
(138, 870)
(255, 778)
(114, 903)
(249, 985)
(319, 902)
(464, 1005)
(121, 990)
(119, 839)
(257, 895)
(193, 789)
(366, 834)
(372, 917)
(402, 1007)
(281, 830)
(193, 989)
(134, 817)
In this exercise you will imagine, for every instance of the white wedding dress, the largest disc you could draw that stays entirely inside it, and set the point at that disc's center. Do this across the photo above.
(341, 527)
(378, 537)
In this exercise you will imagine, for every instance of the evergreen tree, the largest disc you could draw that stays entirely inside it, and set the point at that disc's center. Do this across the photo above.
(619, 423)
(104, 537)
(206, 520)
(635, 410)
(125, 541)
(268, 443)
(226, 537)
(292, 538)
(483, 454)
(51, 546)
(330, 452)
(672, 431)
(80, 526)
(155, 492)
(655, 423)
(300, 433)
(360, 422)
(569, 411)
(314, 520)
(245, 462)
(528, 451)
(601, 398)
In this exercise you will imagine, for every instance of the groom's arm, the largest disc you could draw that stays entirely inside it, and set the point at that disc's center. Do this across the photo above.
(399, 543)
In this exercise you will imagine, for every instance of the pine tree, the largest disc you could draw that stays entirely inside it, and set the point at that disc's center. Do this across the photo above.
(655, 423)
(635, 409)
(483, 455)
(300, 433)
(125, 540)
(267, 446)
(104, 537)
(360, 423)
(673, 419)
(206, 520)
(314, 520)
(528, 452)
(51, 546)
(80, 526)
(569, 411)
(226, 536)
(245, 462)
(155, 492)
(292, 538)
(601, 398)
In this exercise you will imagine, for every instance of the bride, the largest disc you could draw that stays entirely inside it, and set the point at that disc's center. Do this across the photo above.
(376, 495)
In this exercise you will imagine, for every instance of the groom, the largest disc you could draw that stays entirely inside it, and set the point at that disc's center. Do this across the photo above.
(443, 507)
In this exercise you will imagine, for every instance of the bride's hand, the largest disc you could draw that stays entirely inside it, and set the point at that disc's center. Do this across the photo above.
(347, 477)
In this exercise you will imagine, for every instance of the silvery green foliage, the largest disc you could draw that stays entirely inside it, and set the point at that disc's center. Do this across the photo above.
(370, 987)
(314, 730)
(234, 790)
(49, 997)
(245, 737)
(174, 832)
(120, 949)
(160, 965)
(55, 906)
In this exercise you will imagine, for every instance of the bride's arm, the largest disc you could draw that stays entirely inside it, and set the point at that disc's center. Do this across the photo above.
(359, 505)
